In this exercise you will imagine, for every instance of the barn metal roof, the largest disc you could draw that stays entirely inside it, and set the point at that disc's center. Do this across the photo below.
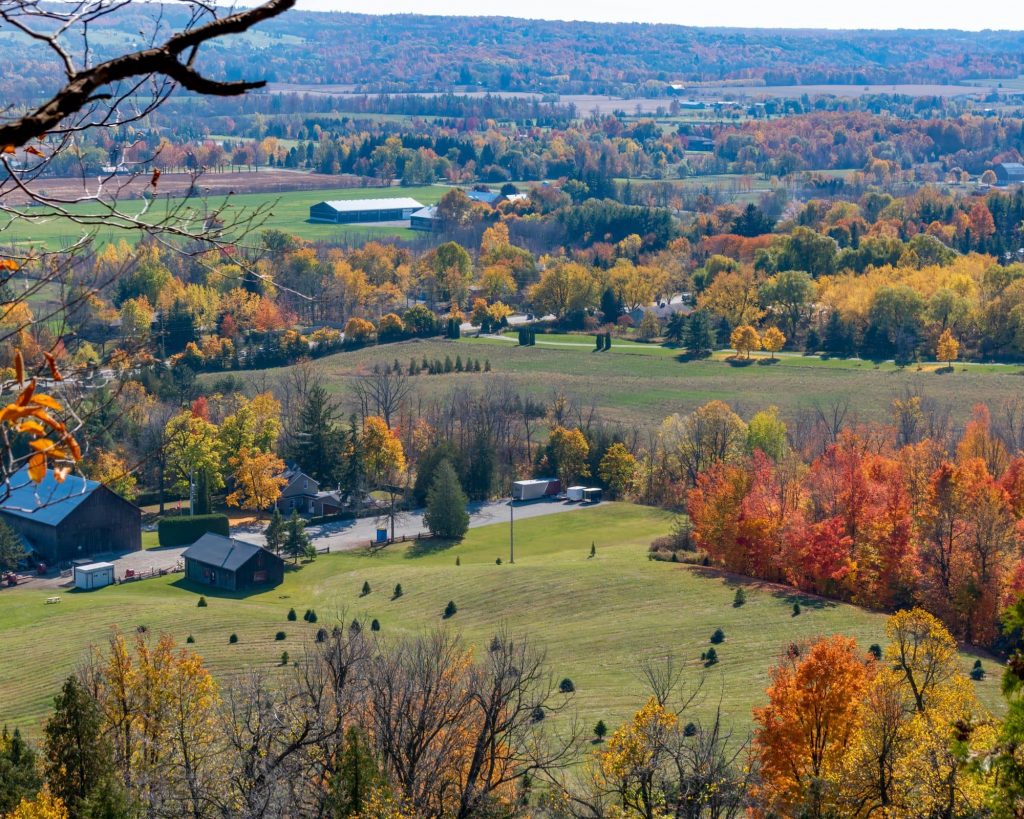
(487, 197)
(48, 502)
(391, 203)
(223, 552)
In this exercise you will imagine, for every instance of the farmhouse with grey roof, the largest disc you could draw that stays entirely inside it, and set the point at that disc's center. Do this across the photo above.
(230, 564)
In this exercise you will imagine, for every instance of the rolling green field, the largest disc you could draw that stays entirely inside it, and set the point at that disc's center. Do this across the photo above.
(289, 212)
(597, 618)
(641, 384)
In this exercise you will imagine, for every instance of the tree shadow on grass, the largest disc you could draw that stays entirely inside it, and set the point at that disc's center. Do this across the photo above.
(424, 547)
(778, 591)
(689, 356)
(805, 601)
(204, 590)
(740, 362)
(767, 362)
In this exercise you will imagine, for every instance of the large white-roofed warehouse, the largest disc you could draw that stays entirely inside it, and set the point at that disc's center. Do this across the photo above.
(344, 211)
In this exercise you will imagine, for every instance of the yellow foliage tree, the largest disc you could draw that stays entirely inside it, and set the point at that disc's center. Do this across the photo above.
(570, 450)
(358, 331)
(948, 348)
(113, 472)
(563, 288)
(630, 760)
(497, 281)
(618, 469)
(920, 728)
(44, 806)
(258, 479)
(161, 707)
(744, 340)
(773, 340)
(733, 295)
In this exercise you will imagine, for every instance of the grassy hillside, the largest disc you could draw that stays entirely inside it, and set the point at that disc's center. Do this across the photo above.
(642, 383)
(597, 617)
(290, 212)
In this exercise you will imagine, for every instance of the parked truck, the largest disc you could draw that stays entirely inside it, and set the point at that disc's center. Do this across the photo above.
(536, 489)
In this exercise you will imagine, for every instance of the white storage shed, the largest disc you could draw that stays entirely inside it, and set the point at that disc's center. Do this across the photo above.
(94, 576)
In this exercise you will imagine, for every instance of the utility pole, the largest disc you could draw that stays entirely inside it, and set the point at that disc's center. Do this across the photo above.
(511, 530)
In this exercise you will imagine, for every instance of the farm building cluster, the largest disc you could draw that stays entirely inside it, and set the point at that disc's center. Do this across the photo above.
(390, 210)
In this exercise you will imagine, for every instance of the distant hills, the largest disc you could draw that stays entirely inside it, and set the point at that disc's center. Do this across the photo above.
(427, 53)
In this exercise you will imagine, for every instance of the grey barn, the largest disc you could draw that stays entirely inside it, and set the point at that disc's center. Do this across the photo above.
(348, 211)
(1009, 173)
(61, 522)
(232, 565)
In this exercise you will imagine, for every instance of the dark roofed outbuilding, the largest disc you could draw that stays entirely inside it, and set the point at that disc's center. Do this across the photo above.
(72, 520)
(230, 564)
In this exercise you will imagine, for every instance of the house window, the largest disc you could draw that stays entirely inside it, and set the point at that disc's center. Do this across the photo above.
(259, 577)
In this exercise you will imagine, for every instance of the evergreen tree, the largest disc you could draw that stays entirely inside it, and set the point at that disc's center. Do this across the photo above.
(427, 467)
(675, 329)
(316, 441)
(357, 776)
(79, 759)
(479, 477)
(836, 339)
(353, 469)
(600, 730)
(275, 532)
(446, 514)
(203, 503)
(19, 777)
(296, 541)
(700, 339)
(611, 305)
(11, 550)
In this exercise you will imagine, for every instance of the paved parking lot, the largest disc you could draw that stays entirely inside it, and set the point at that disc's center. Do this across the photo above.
(335, 537)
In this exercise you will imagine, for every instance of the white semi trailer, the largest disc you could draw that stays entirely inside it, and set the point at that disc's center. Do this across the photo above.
(536, 489)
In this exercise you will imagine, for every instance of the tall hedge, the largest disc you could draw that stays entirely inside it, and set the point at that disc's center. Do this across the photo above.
(184, 531)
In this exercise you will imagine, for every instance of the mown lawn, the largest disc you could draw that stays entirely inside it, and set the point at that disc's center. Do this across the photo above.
(289, 212)
(640, 384)
(597, 618)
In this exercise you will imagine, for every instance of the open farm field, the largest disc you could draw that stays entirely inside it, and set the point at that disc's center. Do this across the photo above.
(597, 618)
(289, 212)
(639, 384)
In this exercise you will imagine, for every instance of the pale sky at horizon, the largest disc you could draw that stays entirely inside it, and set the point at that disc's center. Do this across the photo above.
(886, 14)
